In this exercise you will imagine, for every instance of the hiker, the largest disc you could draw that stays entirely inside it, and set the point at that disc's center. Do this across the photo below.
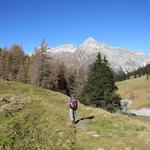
(73, 105)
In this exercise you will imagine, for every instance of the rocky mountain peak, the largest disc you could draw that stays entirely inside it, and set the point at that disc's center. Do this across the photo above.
(89, 40)
(91, 44)
(120, 60)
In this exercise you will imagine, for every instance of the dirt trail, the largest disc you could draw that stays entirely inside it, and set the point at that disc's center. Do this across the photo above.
(83, 124)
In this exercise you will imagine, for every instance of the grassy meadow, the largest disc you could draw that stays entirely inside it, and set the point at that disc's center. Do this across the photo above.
(41, 124)
(37, 119)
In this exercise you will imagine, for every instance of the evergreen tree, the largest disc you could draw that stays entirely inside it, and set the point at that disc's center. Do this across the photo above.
(147, 71)
(54, 76)
(71, 78)
(62, 82)
(135, 75)
(80, 79)
(100, 88)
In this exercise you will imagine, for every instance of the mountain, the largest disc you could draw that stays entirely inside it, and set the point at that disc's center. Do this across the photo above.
(120, 60)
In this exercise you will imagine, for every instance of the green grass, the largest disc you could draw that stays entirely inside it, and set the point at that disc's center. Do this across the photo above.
(44, 124)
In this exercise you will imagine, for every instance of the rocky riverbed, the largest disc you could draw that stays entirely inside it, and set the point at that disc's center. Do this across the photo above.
(141, 114)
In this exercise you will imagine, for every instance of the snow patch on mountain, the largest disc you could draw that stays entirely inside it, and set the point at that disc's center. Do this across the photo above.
(91, 44)
(63, 48)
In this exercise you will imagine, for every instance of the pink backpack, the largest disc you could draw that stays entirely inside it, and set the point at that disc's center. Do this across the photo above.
(73, 103)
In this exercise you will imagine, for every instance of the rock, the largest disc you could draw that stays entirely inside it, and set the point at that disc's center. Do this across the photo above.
(91, 133)
(125, 103)
(116, 125)
(5, 100)
(96, 135)
(101, 148)
(1, 98)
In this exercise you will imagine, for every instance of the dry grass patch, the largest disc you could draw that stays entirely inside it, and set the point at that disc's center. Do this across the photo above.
(137, 90)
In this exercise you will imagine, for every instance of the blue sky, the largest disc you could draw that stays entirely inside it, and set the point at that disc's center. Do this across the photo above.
(121, 23)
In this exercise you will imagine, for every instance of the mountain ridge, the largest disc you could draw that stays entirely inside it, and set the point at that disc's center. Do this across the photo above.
(120, 59)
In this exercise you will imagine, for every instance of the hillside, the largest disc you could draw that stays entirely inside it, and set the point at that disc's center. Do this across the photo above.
(34, 118)
(137, 90)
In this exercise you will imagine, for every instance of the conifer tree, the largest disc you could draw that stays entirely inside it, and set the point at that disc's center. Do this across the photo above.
(41, 67)
(21, 73)
(62, 82)
(147, 71)
(100, 88)
(71, 83)
(27, 63)
(80, 79)
(17, 58)
(4, 64)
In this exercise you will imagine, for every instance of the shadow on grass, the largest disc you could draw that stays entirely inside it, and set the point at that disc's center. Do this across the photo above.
(84, 118)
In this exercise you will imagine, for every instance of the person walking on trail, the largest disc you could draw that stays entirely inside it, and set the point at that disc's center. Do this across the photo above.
(73, 105)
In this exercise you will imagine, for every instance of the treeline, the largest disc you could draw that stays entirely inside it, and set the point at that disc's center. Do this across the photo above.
(143, 71)
(96, 88)
(39, 69)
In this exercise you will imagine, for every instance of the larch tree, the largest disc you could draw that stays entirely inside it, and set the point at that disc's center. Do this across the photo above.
(17, 58)
(40, 70)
